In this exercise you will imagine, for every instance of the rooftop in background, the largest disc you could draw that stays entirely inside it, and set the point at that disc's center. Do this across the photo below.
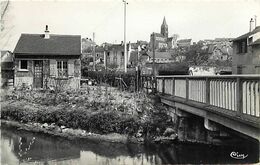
(183, 40)
(223, 39)
(35, 44)
(3, 52)
(6, 56)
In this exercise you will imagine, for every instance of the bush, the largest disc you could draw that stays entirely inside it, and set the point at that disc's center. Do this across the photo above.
(111, 77)
(99, 122)
(90, 111)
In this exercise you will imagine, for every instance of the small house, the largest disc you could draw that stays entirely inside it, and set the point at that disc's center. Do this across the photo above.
(47, 60)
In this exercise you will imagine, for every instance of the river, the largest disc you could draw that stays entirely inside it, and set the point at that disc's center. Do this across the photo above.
(22, 147)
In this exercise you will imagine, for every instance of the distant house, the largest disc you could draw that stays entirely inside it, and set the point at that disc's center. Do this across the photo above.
(246, 53)
(43, 60)
(7, 68)
(220, 51)
(115, 55)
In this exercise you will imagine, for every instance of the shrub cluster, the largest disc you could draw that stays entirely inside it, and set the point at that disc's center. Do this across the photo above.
(99, 122)
(111, 77)
(87, 109)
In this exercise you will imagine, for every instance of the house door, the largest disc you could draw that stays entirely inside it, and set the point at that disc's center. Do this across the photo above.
(38, 77)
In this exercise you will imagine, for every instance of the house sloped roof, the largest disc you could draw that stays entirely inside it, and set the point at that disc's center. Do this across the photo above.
(35, 44)
(244, 36)
(184, 41)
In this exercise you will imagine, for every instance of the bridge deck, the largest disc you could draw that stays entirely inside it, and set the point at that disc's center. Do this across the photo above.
(232, 96)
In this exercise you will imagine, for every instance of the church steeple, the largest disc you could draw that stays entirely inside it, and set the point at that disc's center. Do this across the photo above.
(164, 28)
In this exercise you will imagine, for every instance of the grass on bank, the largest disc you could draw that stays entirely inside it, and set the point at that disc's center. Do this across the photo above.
(90, 109)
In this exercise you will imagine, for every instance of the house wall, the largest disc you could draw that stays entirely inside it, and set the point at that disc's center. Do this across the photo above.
(26, 78)
(115, 57)
(23, 78)
(256, 58)
(248, 61)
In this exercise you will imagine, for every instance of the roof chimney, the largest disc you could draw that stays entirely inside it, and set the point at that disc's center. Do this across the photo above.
(251, 25)
(47, 33)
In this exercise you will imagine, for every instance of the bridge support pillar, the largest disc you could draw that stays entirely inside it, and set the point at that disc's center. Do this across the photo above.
(192, 128)
(182, 128)
(209, 125)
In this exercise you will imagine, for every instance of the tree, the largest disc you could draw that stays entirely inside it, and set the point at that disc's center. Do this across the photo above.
(179, 53)
(6, 25)
(196, 55)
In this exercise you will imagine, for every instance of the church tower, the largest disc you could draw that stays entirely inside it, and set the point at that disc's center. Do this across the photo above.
(164, 28)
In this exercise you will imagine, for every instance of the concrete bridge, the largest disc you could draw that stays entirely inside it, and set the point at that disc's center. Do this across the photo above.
(230, 101)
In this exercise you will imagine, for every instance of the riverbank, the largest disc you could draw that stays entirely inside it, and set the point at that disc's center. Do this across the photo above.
(90, 113)
(70, 133)
(26, 147)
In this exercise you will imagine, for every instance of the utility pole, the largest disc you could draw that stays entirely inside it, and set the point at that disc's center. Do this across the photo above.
(94, 53)
(105, 56)
(125, 51)
(138, 67)
(255, 21)
(154, 80)
(105, 62)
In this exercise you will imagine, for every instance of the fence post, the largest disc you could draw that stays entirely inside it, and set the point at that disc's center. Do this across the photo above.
(173, 86)
(163, 85)
(187, 89)
(239, 97)
(207, 91)
(146, 84)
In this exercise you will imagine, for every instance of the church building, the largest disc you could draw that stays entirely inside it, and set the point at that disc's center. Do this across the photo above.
(161, 40)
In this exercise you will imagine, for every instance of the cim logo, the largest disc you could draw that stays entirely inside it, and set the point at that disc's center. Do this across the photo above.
(237, 155)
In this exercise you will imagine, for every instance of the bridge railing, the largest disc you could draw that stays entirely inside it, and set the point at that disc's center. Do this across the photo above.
(237, 93)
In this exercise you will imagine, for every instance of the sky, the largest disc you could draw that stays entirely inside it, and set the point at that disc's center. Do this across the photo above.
(195, 19)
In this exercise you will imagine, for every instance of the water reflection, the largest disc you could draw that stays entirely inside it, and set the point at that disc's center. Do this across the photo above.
(21, 147)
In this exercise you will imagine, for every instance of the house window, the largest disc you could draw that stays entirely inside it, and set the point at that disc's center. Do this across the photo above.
(242, 46)
(122, 58)
(23, 65)
(250, 40)
(62, 67)
(115, 58)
